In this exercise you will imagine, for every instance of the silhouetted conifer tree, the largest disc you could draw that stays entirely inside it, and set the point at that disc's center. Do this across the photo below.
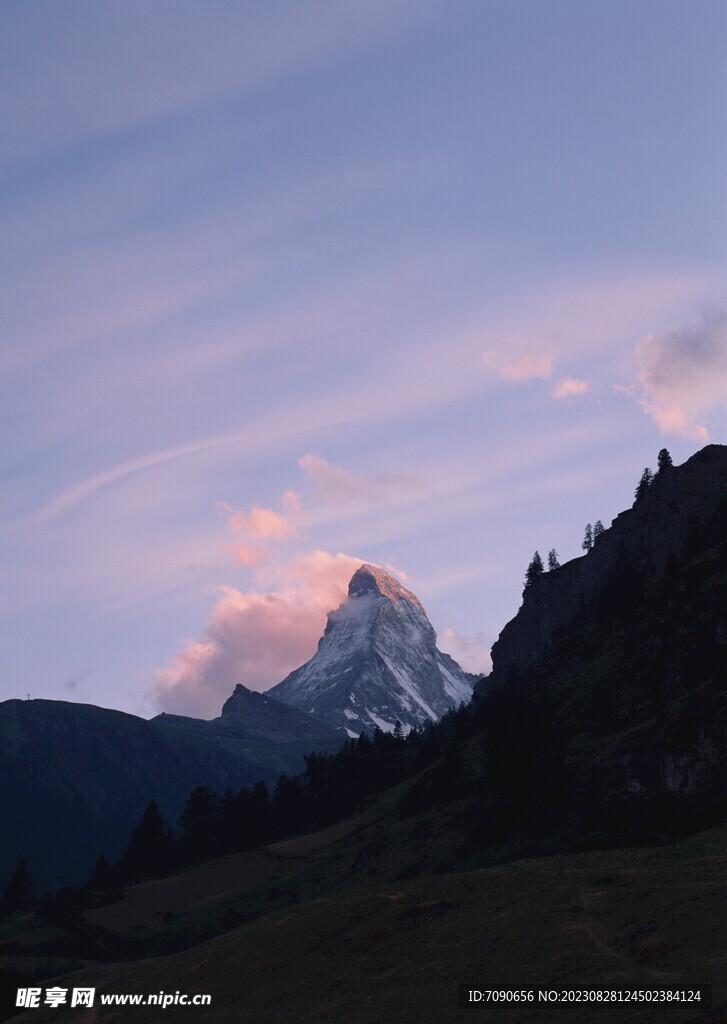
(261, 811)
(553, 562)
(534, 570)
(229, 823)
(598, 529)
(664, 460)
(588, 538)
(103, 885)
(148, 853)
(642, 488)
(287, 807)
(19, 890)
(252, 814)
(103, 878)
(199, 824)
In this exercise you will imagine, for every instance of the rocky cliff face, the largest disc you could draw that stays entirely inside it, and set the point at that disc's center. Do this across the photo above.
(260, 715)
(624, 653)
(377, 662)
(641, 544)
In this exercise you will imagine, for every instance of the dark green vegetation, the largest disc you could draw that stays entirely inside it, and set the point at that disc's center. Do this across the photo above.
(76, 777)
(564, 831)
(298, 932)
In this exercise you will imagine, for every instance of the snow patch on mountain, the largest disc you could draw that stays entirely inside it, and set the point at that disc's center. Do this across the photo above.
(377, 662)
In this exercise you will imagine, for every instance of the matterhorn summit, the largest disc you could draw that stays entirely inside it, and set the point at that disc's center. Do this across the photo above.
(377, 662)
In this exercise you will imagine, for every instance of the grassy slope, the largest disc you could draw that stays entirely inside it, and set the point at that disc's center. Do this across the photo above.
(640, 918)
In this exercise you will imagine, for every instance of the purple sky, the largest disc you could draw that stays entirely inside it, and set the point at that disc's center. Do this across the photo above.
(291, 287)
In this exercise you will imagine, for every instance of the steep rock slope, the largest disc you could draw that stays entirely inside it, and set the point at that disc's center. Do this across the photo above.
(271, 734)
(607, 695)
(377, 662)
(679, 510)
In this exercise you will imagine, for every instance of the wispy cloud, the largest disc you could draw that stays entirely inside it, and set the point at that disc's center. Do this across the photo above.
(553, 321)
(77, 493)
(682, 375)
(570, 387)
(525, 366)
(445, 368)
(124, 66)
(122, 265)
(338, 485)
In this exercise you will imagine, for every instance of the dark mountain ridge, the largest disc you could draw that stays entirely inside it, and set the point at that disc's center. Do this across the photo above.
(641, 545)
(76, 776)
(273, 735)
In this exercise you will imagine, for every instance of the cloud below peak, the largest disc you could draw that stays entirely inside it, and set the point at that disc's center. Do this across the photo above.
(256, 637)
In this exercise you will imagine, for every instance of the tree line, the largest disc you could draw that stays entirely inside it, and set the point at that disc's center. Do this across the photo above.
(332, 787)
(593, 531)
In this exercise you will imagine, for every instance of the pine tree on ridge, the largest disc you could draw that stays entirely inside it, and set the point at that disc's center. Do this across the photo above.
(534, 570)
(642, 488)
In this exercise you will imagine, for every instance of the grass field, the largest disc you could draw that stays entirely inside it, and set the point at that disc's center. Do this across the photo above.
(636, 919)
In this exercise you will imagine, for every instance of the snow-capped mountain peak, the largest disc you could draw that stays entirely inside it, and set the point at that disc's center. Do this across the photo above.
(377, 662)
(370, 579)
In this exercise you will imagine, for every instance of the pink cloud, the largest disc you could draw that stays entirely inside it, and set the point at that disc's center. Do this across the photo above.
(321, 577)
(528, 365)
(265, 523)
(255, 638)
(569, 386)
(260, 524)
(681, 375)
(246, 554)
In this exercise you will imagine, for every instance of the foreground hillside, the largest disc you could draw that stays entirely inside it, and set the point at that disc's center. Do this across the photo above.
(640, 919)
